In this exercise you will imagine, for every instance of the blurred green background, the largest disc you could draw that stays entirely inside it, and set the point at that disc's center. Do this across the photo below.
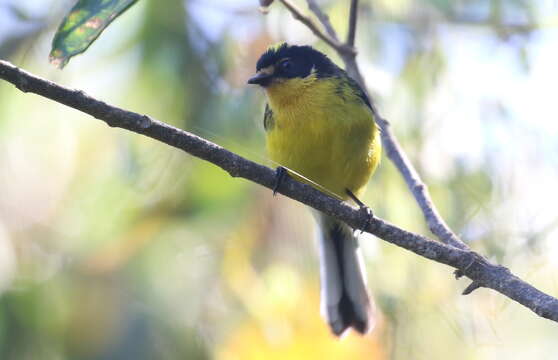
(115, 246)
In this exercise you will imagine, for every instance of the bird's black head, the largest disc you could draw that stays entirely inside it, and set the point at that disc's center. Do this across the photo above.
(287, 62)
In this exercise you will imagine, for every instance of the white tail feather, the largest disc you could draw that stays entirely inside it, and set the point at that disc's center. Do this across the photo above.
(345, 299)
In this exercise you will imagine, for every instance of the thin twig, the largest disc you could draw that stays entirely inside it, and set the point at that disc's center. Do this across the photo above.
(324, 19)
(394, 151)
(352, 23)
(306, 20)
(467, 263)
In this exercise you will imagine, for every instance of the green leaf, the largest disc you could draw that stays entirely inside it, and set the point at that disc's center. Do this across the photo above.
(84, 23)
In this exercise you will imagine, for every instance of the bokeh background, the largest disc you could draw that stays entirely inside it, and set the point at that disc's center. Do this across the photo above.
(115, 246)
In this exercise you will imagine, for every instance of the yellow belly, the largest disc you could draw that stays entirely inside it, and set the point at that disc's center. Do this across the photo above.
(330, 140)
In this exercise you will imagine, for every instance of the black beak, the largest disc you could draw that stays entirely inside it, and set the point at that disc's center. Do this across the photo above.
(261, 78)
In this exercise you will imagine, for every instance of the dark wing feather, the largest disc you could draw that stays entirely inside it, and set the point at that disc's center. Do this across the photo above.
(361, 94)
(269, 122)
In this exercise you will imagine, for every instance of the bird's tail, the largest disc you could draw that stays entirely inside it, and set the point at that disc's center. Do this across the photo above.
(345, 301)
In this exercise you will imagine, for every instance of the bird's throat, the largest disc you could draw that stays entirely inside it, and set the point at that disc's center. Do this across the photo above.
(285, 93)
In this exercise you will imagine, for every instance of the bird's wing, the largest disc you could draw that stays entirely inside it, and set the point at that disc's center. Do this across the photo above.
(268, 118)
(363, 96)
(358, 90)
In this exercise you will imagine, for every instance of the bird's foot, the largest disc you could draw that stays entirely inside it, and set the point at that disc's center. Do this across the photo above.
(280, 175)
(363, 208)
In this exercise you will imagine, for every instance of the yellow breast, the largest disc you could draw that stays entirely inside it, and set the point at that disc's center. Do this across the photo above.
(323, 131)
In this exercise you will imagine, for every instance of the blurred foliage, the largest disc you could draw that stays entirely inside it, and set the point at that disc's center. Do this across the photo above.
(113, 246)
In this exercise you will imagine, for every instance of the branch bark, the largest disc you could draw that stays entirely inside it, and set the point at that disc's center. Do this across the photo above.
(466, 262)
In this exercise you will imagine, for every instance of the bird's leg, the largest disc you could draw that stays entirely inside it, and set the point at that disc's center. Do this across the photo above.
(280, 175)
(362, 206)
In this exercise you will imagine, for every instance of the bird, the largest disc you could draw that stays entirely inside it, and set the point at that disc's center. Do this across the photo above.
(320, 127)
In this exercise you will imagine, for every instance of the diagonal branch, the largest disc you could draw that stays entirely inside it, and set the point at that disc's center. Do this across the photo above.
(324, 19)
(395, 153)
(310, 24)
(435, 222)
(468, 263)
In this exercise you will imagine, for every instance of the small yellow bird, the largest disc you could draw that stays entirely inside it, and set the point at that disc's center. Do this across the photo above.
(320, 126)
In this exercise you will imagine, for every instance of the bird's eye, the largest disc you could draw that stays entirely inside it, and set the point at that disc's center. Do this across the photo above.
(286, 65)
